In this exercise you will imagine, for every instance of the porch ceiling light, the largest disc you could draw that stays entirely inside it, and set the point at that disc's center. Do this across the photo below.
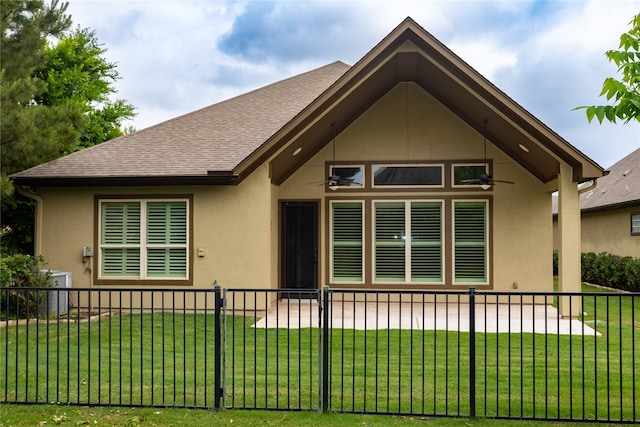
(523, 148)
(297, 151)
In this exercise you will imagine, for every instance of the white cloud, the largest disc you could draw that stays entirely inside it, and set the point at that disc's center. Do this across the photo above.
(177, 56)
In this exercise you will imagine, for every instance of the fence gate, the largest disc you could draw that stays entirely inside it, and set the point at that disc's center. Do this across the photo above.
(272, 348)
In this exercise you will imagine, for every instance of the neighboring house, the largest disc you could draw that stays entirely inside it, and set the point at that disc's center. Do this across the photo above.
(610, 212)
(356, 177)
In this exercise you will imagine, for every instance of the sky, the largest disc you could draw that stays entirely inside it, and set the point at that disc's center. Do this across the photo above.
(175, 57)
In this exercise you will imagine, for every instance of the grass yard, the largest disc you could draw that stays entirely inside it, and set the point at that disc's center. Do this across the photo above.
(167, 359)
(40, 415)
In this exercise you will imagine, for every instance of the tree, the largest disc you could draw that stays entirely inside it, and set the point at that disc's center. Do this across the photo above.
(624, 92)
(77, 71)
(55, 88)
(30, 132)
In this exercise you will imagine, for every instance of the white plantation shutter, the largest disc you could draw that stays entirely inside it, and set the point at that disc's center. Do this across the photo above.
(121, 262)
(346, 242)
(408, 242)
(121, 223)
(166, 239)
(120, 239)
(390, 234)
(144, 239)
(426, 242)
(166, 223)
(470, 241)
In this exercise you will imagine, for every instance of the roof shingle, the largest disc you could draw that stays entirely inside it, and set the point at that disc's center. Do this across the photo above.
(620, 186)
(214, 138)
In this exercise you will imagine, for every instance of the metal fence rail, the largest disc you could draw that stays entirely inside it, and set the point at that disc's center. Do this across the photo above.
(123, 347)
(272, 343)
(488, 354)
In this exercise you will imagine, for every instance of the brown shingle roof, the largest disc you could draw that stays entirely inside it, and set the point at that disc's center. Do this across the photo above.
(620, 187)
(214, 138)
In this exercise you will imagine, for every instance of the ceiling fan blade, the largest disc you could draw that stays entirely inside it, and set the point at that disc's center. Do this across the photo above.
(347, 182)
(500, 180)
(471, 181)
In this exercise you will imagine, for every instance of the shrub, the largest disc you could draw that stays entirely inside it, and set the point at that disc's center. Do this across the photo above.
(18, 271)
(610, 270)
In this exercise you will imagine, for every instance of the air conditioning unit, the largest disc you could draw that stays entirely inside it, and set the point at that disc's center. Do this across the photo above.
(56, 303)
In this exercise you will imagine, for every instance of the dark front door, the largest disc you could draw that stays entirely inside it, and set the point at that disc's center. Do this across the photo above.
(299, 245)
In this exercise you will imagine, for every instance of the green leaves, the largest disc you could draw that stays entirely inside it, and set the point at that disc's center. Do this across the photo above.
(625, 93)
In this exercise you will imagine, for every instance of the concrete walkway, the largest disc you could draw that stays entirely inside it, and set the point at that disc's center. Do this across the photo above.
(542, 319)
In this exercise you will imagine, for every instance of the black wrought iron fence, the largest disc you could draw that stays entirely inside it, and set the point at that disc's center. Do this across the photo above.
(488, 354)
(130, 347)
(273, 348)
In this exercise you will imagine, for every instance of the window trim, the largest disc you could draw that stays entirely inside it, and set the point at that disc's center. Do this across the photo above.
(463, 164)
(447, 244)
(487, 239)
(447, 167)
(442, 184)
(636, 214)
(330, 245)
(363, 171)
(408, 242)
(100, 279)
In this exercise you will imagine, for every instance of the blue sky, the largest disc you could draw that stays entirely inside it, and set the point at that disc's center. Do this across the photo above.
(177, 56)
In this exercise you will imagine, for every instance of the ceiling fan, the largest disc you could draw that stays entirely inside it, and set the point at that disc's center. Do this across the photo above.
(485, 181)
(336, 180)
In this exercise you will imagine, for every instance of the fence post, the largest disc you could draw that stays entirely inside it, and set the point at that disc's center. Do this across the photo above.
(325, 348)
(217, 360)
(472, 352)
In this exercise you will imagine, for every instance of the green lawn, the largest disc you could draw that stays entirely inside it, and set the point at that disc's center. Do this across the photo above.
(40, 415)
(164, 359)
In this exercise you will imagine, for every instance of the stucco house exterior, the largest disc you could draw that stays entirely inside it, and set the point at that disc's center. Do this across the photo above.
(363, 176)
(610, 211)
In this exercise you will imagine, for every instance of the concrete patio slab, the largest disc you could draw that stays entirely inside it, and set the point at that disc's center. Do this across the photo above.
(501, 318)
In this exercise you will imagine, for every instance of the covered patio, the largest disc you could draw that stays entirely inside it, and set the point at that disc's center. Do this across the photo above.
(452, 316)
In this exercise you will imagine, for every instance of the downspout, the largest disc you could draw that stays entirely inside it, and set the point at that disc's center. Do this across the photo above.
(37, 227)
(594, 184)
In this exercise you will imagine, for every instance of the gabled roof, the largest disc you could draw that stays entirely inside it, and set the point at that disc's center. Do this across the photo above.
(227, 141)
(620, 188)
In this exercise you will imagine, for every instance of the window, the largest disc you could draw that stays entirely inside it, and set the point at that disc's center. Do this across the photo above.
(143, 239)
(408, 242)
(347, 242)
(470, 241)
(350, 176)
(408, 176)
(635, 224)
(462, 173)
(405, 242)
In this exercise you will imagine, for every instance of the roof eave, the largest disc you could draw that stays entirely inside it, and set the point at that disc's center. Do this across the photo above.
(213, 178)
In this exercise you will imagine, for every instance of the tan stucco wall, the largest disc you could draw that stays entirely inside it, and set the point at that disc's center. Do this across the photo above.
(231, 223)
(606, 231)
(610, 232)
(408, 124)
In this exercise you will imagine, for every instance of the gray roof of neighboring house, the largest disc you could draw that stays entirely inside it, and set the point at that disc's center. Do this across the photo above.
(215, 138)
(620, 188)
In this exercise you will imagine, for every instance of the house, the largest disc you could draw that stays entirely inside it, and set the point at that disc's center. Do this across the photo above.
(376, 175)
(610, 211)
